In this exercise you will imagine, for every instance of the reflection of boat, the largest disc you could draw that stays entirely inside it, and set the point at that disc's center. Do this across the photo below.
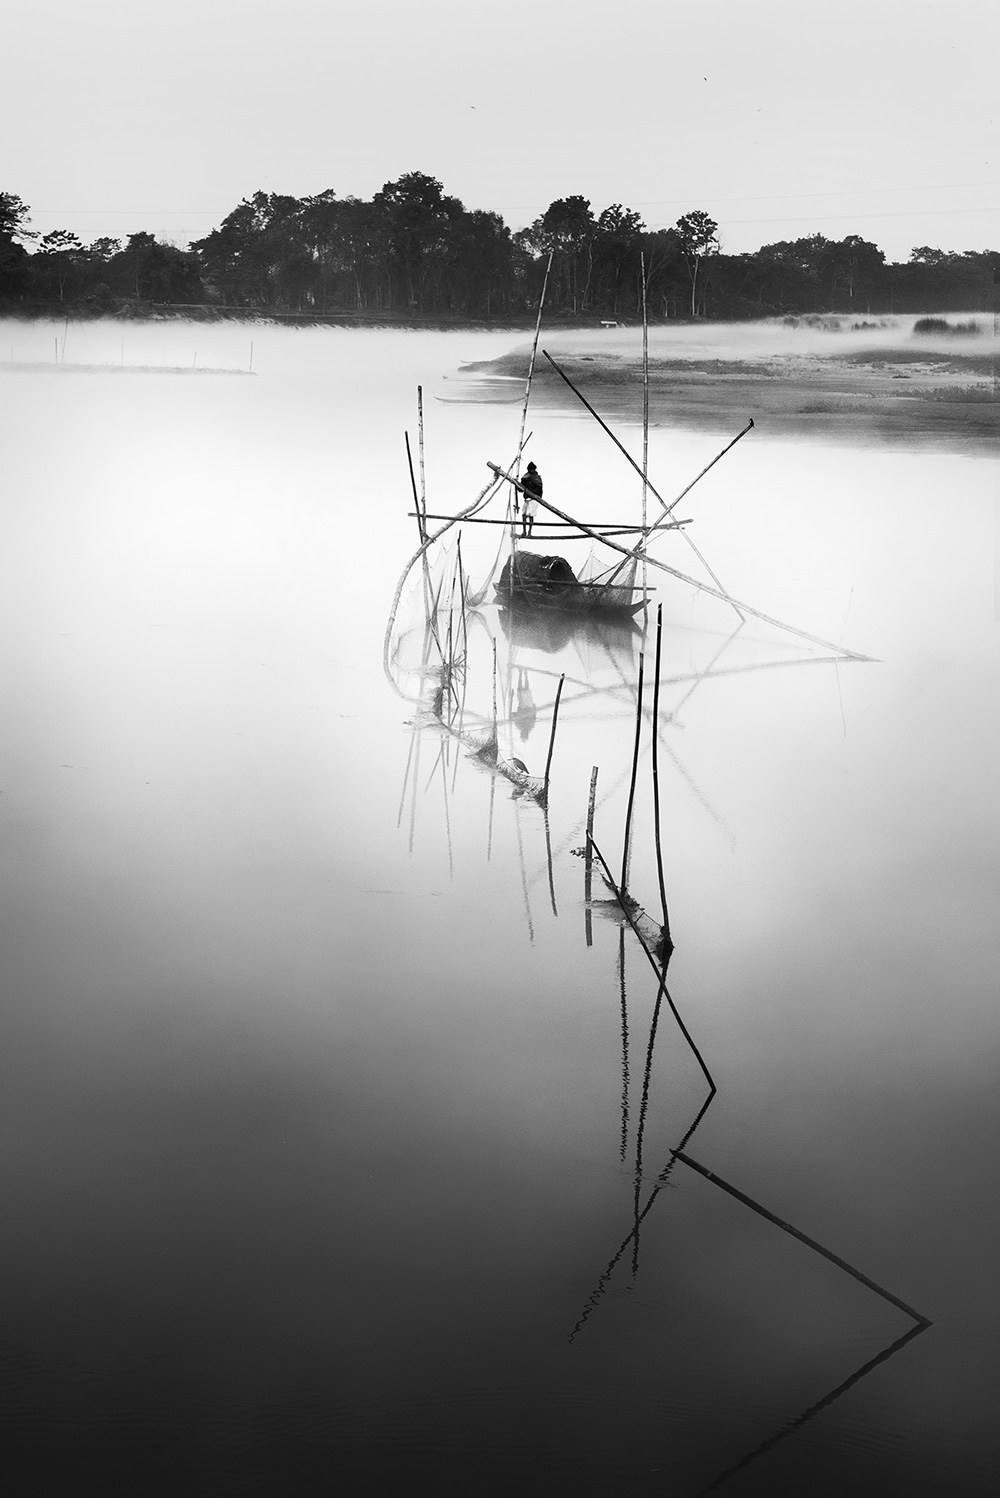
(551, 630)
(549, 582)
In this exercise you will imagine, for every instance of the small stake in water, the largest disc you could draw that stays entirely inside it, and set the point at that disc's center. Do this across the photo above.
(250, 365)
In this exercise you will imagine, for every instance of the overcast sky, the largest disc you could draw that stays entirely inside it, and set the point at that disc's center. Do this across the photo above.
(779, 117)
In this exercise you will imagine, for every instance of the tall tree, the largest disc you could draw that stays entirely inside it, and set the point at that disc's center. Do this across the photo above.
(419, 219)
(616, 252)
(699, 236)
(59, 252)
(14, 268)
(567, 230)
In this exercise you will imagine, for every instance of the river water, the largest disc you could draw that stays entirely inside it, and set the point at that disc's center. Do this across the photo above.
(323, 1095)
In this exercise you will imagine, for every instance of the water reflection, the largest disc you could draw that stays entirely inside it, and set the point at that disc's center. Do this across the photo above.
(313, 1159)
(444, 662)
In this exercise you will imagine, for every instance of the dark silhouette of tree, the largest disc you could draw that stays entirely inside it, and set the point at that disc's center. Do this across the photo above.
(699, 236)
(15, 275)
(243, 258)
(617, 252)
(415, 249)
(59, 253)
(482, 278)
(419, 221)
(851, 270)
(567, 230)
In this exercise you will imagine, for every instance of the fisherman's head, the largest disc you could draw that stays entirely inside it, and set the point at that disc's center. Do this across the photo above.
(531, 468)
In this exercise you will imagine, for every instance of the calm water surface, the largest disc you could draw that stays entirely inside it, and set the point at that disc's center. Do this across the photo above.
(321, 1114)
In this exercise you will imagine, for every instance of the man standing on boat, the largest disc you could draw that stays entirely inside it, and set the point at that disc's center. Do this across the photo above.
(531, 484)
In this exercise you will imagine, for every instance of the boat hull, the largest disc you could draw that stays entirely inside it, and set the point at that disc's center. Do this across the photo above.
(546, 582)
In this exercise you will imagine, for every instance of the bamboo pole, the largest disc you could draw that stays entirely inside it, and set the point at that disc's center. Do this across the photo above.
(657, 967)
(588, 865)
(480, 499)
(645, 415)
(420, 446)
(666, 508)
(552, 738)
(627, 842)
(569, 525)
(786, 1227)
(531, 365)
(421, 528)
(701, 475)
(693, 582)
(668, 943)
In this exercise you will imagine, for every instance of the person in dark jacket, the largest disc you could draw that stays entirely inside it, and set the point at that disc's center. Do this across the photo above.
(531, 483)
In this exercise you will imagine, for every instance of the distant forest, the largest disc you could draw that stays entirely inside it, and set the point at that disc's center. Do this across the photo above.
(413, 252)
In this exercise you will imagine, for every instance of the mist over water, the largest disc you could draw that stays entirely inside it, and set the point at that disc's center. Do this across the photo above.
(314, 1159)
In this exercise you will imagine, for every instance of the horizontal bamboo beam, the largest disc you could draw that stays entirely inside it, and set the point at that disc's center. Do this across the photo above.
(625, 530)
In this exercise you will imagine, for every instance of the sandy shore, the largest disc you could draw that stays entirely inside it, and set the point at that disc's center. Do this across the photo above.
(903, 397)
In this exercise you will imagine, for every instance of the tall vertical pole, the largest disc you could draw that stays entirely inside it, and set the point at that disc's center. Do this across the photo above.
(531, 370)
(668, 945)
(627, 845)
(645, 420)
(552, 736)
(588, 867)
(420, 434)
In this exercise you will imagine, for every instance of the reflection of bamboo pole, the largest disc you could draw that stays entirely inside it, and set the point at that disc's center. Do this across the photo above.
(598, 1291)
(524, 878)
(548, 860)
(489, 834)
(625, 1077)
(641, 1126)
(814, 1409)
(786, 1227)
(496, 741)
(588, 867)
(627, 843)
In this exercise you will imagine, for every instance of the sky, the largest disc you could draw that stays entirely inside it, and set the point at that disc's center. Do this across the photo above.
(779, 118)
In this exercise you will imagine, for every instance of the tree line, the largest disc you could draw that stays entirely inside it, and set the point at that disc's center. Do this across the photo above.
(414, 251)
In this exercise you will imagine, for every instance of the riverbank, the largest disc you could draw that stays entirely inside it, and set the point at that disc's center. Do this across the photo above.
(899, 390)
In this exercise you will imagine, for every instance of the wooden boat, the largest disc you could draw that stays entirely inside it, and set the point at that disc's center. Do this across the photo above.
(549, 582)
